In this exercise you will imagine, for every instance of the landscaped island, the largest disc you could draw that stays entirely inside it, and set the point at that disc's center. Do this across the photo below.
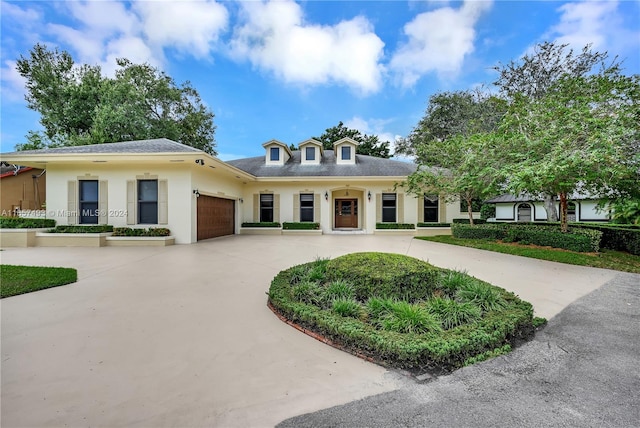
(402, 312)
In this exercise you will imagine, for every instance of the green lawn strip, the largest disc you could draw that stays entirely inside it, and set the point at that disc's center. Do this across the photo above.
(16, 280)
(606, 259)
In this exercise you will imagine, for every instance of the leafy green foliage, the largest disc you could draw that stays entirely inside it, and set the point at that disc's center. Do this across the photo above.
(25, 279)
(616, 238)
(384, 275)
(452, 280)
(25, 223)
(481, 294)
(100, 228)
(626, 211)
(574, 240)
(261, 224)
(395, 226)
(394, 331)
(451, 313)
(368, 144)
(339, 290)
(487, 211)
(502, 350)
(300, 226)
(427, 224)
(152, 231)
(346, 307)
(79, 106)
(405, 317)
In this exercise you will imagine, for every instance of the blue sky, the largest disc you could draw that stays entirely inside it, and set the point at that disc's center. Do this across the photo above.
(289, 70)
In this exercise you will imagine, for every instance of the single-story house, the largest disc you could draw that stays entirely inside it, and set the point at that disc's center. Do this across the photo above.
(162, 183)
(525, 208)
(23, 188)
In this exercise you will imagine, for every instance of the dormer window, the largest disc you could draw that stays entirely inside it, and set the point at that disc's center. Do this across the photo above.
(346, 153)
(310, 153)
(277, 153)
(274, 154)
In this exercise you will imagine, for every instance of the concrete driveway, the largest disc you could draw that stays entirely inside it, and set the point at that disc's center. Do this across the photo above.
(181, 336)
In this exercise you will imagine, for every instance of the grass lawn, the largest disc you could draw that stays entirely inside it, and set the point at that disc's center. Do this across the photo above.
(606, 259)
(16, 280)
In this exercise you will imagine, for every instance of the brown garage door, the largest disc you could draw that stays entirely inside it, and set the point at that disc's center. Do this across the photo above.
(215, 217)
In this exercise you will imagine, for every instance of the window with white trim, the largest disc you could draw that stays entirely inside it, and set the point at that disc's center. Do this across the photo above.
(346, 152)
(389, 207)
(306, 207)
(147, 201)
(266, 207)
(274, 153)
(88, 199)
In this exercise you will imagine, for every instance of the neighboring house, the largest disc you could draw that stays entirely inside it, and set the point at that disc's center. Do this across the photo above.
(161, 183)
(525, 208)
(21, 188)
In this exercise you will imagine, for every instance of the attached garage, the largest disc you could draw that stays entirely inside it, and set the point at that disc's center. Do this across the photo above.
(216, 217)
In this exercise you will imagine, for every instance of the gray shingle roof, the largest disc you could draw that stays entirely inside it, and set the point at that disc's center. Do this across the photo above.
(366, 166)
(160, 145)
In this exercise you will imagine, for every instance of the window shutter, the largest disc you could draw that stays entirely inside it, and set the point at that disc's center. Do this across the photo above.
(276, 208)
(400, 207)
(163, 202)
(420, 204)
(378, 207)
(296, 207)
(256, 207)
(316, 208)
(72, 202)
(131, 202)
(103, 213)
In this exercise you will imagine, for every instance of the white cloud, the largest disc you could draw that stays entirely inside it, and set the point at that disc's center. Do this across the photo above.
(274, 37)
(438, 41)
(13, 84)
(374, 127)
(191, 26)
(596, 23)
(18, 14)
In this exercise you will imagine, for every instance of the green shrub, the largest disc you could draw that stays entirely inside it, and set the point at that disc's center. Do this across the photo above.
(338, 290)
(262, 224)
(26, 223)
(487, 211)
(485, 231)
(395, 226)
(308, 292)
(451, 313)
(481, 294)
(98, 228)
(488, 354)
(374, 329)
(300, 226)
(423, 224)
(405, 317)
(346, 308)
(619, 238)
(152, 231)
(385, 275)
(452, 280)
(466, 221)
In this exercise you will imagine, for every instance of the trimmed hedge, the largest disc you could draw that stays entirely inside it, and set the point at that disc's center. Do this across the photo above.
(437, 351)
(152, 231)
(25, 223)
(466, 221)
(422, 224)
(384, 275)
(580, 240)
(395, 226)
(100, 228)
(262, 224)
(619, 238)
(300, 226)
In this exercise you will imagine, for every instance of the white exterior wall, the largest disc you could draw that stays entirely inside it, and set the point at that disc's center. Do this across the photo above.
(180, 208)
(585, 211)
(453, 211)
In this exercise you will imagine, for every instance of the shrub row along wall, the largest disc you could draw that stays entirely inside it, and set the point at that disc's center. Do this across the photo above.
(581, 240)
(25, 223)
(619, 238)
(300, 226)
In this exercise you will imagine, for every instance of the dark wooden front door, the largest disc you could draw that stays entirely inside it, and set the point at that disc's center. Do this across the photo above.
(346, 213)
(215, 217)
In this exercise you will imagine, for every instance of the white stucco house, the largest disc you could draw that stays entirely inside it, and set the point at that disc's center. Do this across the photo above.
(161, 183)
(525, 208)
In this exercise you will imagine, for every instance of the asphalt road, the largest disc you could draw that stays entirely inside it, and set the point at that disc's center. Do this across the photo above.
(581, 370)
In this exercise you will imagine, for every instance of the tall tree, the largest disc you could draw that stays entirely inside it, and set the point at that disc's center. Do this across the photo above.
(453, 146)
(78, 105)
(369, 144)
(581, 136)
(533, 75)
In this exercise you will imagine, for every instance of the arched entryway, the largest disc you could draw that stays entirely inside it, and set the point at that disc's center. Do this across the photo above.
(524, 212)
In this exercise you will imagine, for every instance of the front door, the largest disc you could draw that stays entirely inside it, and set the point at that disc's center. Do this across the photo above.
(346, 213)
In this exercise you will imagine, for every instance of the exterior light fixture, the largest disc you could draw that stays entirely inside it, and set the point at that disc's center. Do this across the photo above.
(241, 200)
(195, 192)
(326, 195)
(369, 195)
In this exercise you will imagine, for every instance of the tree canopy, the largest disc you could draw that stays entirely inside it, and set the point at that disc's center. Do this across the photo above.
(369, 144)
(78, 105)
